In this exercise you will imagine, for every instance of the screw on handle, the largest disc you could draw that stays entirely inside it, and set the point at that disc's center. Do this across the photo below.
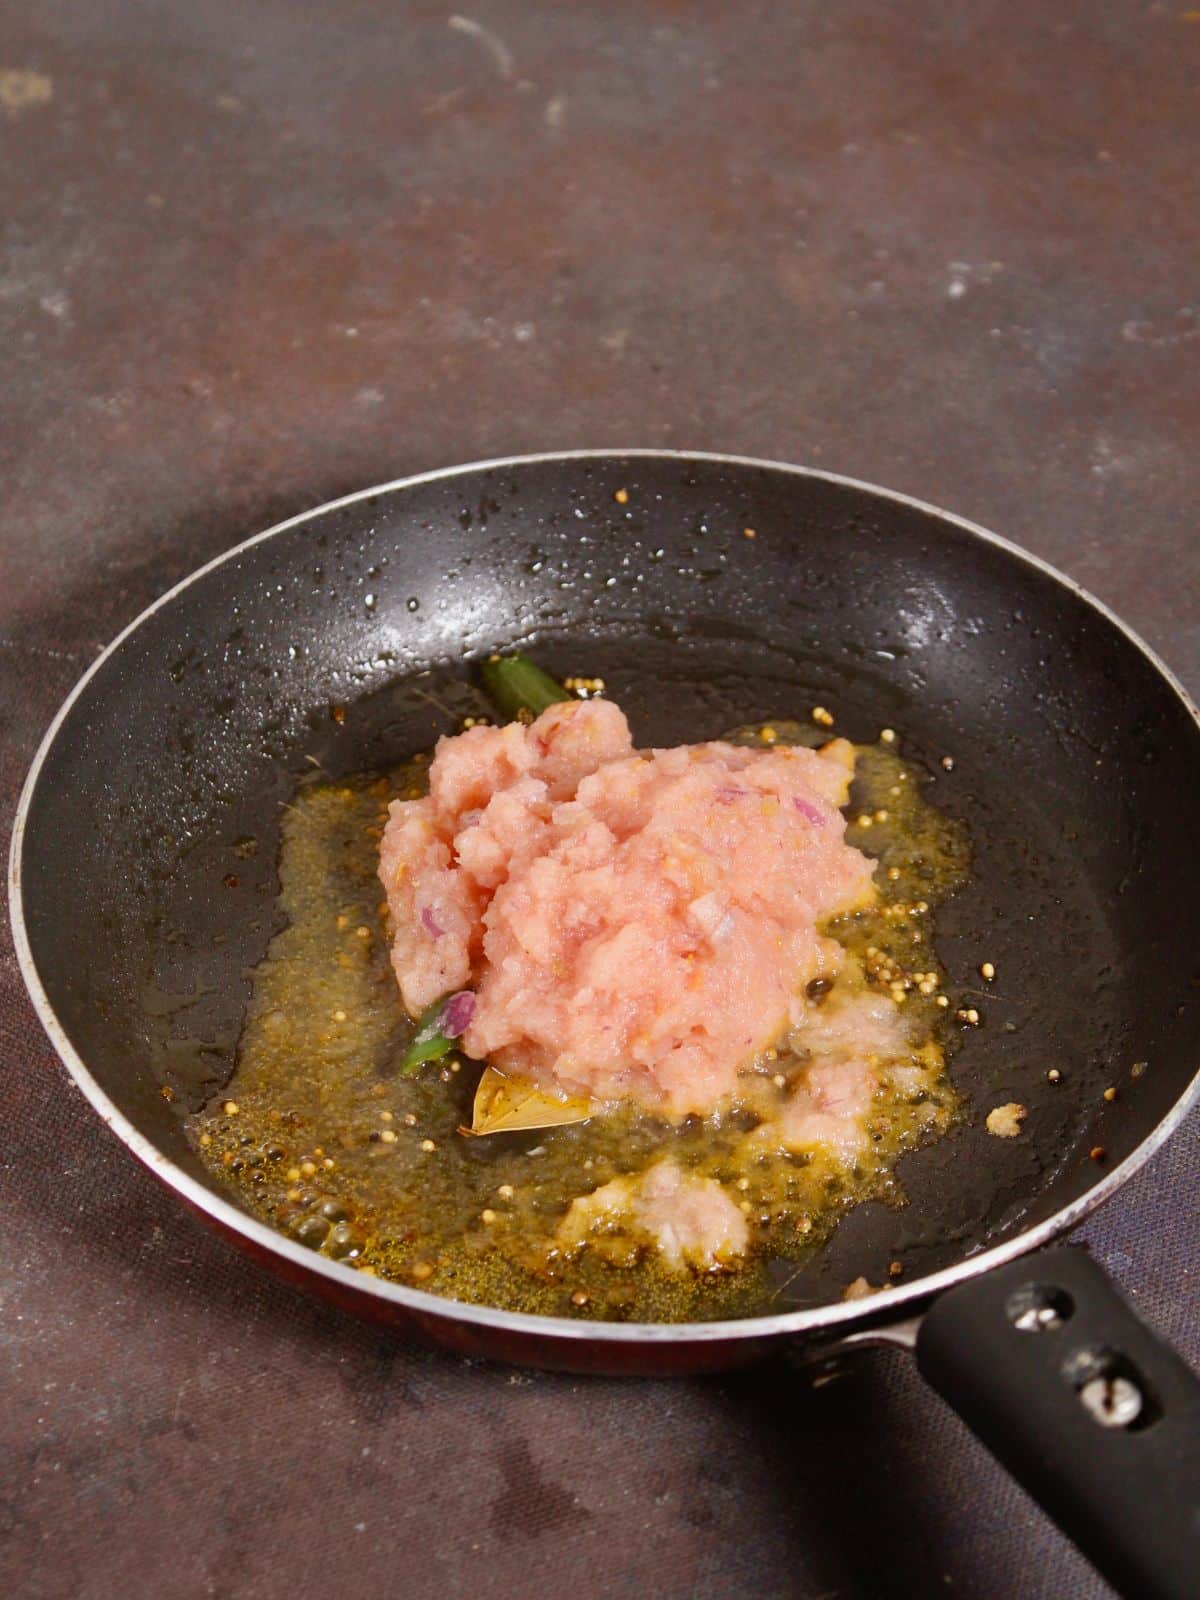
(1112, 1402)
(1096, 1416)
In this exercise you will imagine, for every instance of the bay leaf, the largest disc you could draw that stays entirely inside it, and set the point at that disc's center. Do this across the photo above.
(512, 1105)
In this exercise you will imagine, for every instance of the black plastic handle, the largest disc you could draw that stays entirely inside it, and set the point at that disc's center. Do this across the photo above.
(1089, 1410)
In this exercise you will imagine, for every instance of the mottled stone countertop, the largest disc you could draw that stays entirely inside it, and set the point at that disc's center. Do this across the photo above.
(256, 256)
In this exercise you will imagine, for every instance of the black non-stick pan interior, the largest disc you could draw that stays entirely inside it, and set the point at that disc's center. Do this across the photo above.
(1071, 755)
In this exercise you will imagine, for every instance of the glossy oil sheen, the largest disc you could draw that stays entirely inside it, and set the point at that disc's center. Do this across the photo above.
(320, 1135)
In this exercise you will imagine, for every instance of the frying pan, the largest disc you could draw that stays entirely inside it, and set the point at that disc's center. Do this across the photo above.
(1053, 733)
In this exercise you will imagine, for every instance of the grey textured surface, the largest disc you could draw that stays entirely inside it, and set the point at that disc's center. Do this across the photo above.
(257, 256)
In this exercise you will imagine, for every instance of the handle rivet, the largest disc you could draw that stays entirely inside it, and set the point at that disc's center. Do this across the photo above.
(1112, 1400)
(1038, 1307)
(1036, 1319)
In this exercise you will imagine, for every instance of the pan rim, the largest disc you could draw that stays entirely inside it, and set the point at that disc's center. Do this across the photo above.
(436, 1307)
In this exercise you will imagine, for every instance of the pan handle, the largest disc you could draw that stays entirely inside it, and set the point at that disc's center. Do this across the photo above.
(1091, 1412)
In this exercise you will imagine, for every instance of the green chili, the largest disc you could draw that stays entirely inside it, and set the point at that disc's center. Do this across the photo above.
(515, 684)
